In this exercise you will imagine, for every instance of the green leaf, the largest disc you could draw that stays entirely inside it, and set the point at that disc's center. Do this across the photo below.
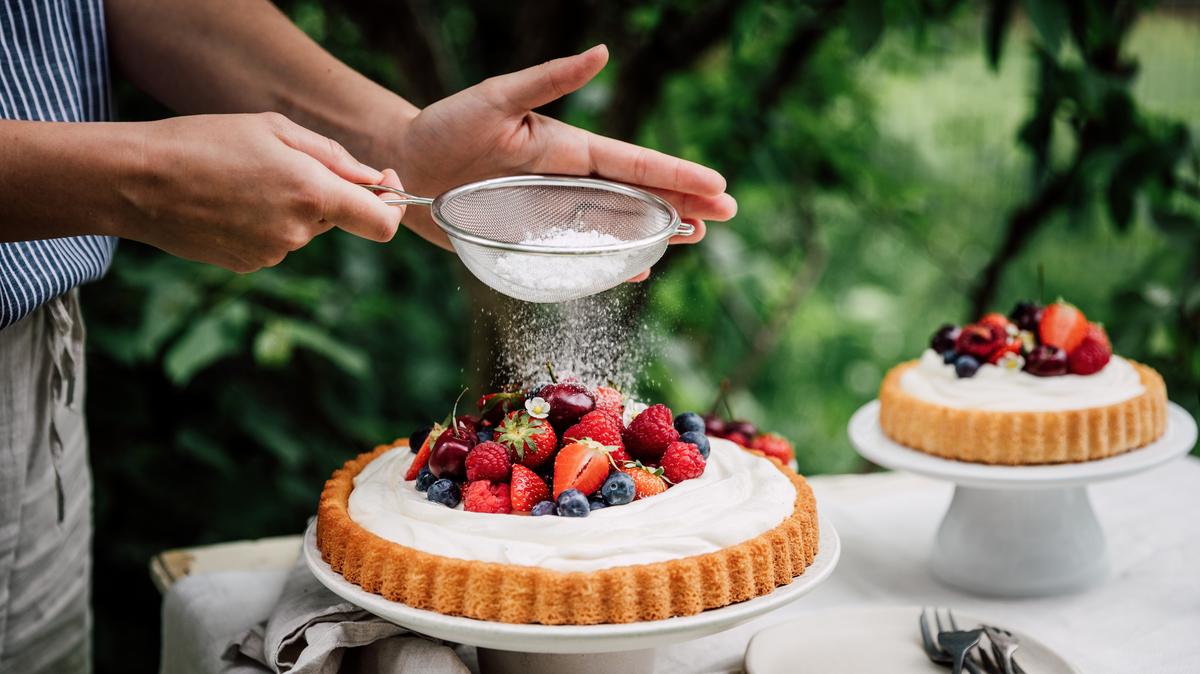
(206, 341)
(864, 20)
(1050, 18)
(273, 346)
(167, 307)
(995, 28)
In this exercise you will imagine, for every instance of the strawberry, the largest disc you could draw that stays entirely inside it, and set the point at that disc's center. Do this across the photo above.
(737, 437)
(422, 458)
(608, 399)
(774, 445)
(980, 340)
(599, 426)
(582, 465)
(650, 433)
(533, 440)
(1012, 346)
(647, 482)
(1093, 352)
(526, 489)
(997, 319)
(682, 461)
(1063, 326)
(483, 496)
(489, 461)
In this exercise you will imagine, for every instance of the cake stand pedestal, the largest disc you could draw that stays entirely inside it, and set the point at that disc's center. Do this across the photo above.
(552, 649)
(1020, 531)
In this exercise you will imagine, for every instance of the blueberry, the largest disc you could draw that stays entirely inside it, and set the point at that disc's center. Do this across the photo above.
(418, 438)
(544, 508)
(445, 492)
(618, 489)
(966, 366)
(572, 503)
(689, 421)
(424, 479)
(484, 435)
(949, 357)
(596, 504)
(698, 439)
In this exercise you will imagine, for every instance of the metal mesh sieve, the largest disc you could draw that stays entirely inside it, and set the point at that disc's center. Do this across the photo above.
(504, 230)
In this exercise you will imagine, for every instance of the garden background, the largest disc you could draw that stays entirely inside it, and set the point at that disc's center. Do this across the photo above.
(898, 164)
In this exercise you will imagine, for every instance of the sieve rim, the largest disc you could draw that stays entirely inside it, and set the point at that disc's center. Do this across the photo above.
(457, 233)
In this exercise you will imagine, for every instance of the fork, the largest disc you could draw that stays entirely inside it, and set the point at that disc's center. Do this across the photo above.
(1004, 644)
(951, 646)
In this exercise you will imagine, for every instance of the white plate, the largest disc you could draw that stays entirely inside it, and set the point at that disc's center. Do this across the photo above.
(870, 639)
(871, 442)
(575, 638)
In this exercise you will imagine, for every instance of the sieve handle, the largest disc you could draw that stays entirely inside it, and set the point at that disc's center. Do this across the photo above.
(406, 198)
(685, 229)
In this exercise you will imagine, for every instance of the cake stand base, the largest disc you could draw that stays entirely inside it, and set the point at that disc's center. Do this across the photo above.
(511, 662)
(628, 648)
(1020, 531)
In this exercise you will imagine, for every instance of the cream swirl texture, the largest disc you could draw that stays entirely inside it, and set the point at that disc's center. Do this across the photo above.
(739, 497)
(998, 390)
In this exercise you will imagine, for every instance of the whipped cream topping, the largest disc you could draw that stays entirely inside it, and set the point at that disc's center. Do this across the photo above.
(999, 390)
(738, 497)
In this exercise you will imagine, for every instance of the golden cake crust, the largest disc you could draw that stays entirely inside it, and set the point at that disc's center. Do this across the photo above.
(521, 594)
(1023, 438)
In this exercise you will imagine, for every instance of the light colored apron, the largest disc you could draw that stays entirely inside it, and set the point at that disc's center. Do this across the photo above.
(45, 494)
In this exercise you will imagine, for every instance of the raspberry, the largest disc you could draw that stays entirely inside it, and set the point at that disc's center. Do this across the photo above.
(608, 400)
(1092, 354)
(489, 461)
(682, 461)
(650, 433)
(482, 496)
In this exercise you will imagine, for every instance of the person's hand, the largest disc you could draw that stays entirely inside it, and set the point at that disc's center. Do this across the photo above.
(242, 191)
(488, 130)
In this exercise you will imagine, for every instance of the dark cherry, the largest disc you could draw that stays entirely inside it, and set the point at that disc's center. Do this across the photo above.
(448, 459)
(943, 339)
(468, 423)
(980, 340)
(745, 428)
(569, 400)
(1046, 361)
(715, 425)
(1026, 315)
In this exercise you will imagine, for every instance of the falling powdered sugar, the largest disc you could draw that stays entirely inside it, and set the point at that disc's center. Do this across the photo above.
(555, 273)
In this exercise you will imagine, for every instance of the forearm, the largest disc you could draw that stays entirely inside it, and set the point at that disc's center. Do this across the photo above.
(246, 56)
(62, 179)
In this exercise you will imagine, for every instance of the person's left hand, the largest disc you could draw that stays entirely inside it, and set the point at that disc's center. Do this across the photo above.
(489, 130)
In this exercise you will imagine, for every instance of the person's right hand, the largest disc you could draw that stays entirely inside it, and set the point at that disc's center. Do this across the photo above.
(242, 191)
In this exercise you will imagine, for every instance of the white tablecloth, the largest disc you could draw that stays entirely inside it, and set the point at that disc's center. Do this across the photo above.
(1145, 619)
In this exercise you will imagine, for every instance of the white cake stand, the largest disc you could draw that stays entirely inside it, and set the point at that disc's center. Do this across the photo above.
(1020, 531)
(546, 649)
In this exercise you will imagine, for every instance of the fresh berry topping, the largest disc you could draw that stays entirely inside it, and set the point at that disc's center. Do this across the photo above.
(601, 427)
(714, 426)
(980, 340)
(609, 400)
(999, 320)
(744, 427)
(775, 445)
(699, 439)
(1092, 354)
(467, 423)
(618, 489)
(544, 508)
(738, 438)
(581, 465)
(650, 433)
(533, 440)
(1012, 346)
(572, 503)
(966, 366)
(948, 357)
(1026, 315)
(689, 421)
(493, 407)
(445, 492)
(527, 489)
(569, 400)
(943, 339)
(421, 460)
(1062, 325)
(596, 504)
(489, 461)
(647, 482)
(682, 461)
(482, 496)
(485, 435)
(425, 478)
(418, 438)
(449, 456)
(1046, 361)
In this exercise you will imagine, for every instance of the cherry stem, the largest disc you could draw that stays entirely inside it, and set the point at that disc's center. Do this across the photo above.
(550, 369)
(454, 410)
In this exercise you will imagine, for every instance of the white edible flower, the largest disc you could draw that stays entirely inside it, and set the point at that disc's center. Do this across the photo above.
(1013, 362)
(1028, 341)
(537, 407)
(633, 409)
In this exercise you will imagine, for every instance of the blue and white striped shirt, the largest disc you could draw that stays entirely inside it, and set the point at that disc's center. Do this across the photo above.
(53, 67)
